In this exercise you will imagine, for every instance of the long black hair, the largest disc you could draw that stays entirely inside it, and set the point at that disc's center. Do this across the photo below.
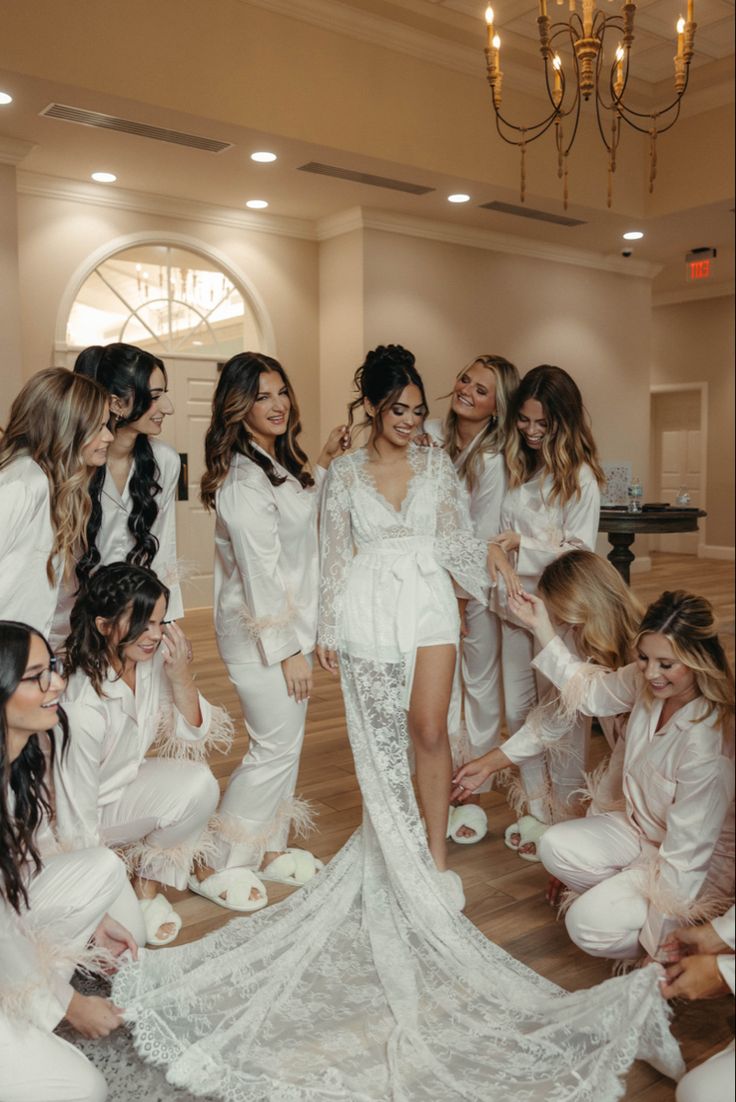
(381, 378)
(113, 592)
(125, 373)
(24, 778)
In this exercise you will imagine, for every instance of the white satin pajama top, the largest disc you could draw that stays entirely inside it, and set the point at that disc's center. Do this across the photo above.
(110, 736)
(678, 782)
(26, 540)
(489, 489)
(115, 541)
(547, 529)
(266, 564)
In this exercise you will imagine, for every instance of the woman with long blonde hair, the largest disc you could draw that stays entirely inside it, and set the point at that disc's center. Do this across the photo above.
(667, 855)
(473, 434)
(55, 438)
(258, 482)
(552, 506)
(597, 616)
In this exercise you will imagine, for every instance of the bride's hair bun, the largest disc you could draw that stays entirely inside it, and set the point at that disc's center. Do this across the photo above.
(384, 373)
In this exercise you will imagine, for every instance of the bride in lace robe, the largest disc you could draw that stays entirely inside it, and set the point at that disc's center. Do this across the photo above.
(369, 985)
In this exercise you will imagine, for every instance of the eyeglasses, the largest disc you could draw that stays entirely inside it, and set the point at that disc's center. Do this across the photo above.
(43, 677)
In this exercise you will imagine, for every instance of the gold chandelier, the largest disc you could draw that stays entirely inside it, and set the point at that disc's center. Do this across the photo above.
(586, 34)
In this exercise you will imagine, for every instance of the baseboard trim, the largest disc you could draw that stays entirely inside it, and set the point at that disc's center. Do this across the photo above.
(712, 551)
(642, 564)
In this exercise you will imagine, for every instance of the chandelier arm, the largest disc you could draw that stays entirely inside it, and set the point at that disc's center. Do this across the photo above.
(545, 125)
(578, 104)
(675, 104)
(654, 118)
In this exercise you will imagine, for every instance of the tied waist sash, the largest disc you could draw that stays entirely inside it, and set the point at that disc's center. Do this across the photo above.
(411, 558)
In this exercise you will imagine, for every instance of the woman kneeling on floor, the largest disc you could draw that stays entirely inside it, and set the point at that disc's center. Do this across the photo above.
(668, 856)
(130, 687)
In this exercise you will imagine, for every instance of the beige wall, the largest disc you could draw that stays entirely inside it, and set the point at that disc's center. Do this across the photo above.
(10, 347)
(57, 236)
(693, 342)
(450, 302)
(341, 321)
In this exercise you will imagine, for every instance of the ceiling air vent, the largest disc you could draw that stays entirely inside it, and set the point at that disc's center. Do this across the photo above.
(128, 126)
(529, 212)
(364, 178)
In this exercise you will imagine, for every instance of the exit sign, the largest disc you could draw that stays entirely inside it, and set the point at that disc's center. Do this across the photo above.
(699, 264)
(699, 269)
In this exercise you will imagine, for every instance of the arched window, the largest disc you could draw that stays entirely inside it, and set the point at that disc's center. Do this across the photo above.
(166, 299)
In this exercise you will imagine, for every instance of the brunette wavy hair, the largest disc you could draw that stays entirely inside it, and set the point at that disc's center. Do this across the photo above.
(52, 418)
(585, 591)
(381, 378)
(25, 777)
(228, 435)
(689, 624)
(125, 372)
(493, 439)
(568, 442)
(123, 595)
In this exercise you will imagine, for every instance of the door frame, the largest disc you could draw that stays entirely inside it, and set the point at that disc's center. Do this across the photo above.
(678, 388)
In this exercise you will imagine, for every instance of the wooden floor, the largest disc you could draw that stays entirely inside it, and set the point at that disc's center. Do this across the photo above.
(504, 894)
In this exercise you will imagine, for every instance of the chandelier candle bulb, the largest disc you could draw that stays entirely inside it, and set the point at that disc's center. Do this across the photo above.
(557, 65)
(680, 37)
(690, 10)
(618, 87)
(572, 7)
(543, 8)
(489, 24)
(587, 17)
(497, 54)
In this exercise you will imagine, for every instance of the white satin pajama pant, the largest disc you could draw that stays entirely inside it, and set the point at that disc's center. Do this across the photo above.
(593, 856)
(167, 806)
(712, 1081)
(68, 899)
(481, 677)
(258, 800)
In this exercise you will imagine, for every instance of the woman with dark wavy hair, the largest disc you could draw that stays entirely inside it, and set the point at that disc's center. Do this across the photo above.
(131, 688)
(258, 482)
(51, 903)
(133, 497)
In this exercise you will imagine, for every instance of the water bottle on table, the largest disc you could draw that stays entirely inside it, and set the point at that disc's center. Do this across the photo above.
(635, 493)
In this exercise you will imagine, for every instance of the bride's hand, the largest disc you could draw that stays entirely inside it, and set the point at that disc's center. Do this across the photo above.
(471, 776)
(327, 658)
(424, 440)
(498, 563)
(532, 612)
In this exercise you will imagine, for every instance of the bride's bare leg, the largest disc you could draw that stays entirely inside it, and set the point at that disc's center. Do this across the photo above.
(430, 699)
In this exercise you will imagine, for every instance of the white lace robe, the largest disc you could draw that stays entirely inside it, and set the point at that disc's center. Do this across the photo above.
(367, 985)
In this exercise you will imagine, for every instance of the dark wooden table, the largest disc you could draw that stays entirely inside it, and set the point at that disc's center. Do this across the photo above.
(622, 527)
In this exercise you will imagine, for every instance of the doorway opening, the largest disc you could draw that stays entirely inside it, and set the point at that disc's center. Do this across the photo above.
(679, 441)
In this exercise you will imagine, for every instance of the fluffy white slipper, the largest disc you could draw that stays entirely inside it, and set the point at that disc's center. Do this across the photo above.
(471, 816)
(530, 830)
(158, 912)
(451, 887)
(295, 866)
(237, 883)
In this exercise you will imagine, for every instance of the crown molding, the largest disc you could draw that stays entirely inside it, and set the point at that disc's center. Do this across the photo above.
(693, 292)
(476, 238)
(13, 150)
(76, 191)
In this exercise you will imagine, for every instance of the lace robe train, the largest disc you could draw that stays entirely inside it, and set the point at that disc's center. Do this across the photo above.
(367, 985)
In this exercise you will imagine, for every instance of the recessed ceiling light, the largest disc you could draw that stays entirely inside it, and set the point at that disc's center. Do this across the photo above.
(104, 177)
(257, 204)
(5, 98)
(264, 157)
(633, 235)
(459, 198)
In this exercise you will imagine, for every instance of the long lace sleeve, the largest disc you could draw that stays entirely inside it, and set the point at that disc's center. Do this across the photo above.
(456, 547)
(336, 550)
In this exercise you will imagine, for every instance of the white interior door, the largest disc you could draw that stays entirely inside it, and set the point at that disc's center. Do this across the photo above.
(676, 435)
(191, 386)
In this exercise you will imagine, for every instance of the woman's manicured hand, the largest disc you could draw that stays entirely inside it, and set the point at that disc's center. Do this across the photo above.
(298, 677)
